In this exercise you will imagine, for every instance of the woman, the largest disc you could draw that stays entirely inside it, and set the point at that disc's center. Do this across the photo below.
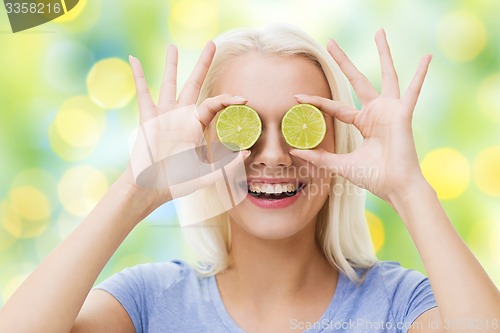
(304, 265)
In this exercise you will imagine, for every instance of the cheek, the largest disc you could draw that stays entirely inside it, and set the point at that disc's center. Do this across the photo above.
(319, 186)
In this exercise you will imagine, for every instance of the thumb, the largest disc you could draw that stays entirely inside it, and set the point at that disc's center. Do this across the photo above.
(228, 170)
(336, 163)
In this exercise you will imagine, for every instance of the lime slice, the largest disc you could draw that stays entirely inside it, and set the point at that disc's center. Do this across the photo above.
(238, 127)
(303, 126)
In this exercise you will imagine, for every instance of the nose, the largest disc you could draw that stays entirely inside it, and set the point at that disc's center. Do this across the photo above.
(271, 149)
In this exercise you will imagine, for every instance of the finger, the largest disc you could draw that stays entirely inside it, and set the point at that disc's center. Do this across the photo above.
(207, 110)
(203, 180)
(390, 82)
(191, 89)
(359, 82)
(147, 107)
(236, 178)
(168, 91)
(336, 163)
(411, 95)
(343, 112)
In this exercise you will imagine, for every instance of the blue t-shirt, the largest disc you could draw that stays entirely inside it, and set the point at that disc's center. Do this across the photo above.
(172, 297)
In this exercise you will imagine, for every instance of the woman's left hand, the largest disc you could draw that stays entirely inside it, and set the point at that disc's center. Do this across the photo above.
(386, 163)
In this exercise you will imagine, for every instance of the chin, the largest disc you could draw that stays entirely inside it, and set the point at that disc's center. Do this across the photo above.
(268, 224)
(269, 229)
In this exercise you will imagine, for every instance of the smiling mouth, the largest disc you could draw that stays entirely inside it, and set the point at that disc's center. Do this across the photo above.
(274, 191)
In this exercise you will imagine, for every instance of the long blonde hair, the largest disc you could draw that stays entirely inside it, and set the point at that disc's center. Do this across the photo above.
(341, 229)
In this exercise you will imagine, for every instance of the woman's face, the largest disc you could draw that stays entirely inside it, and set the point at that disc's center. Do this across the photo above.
(269, 83)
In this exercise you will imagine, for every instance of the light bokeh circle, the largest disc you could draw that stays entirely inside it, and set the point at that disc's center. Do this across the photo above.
(40, 178)
(7, 240)
(110, 83)
(30, 203)
(80, 122)
(376, 230)
(73, 13)
(66, 151)
(461, 35)
(77, 128)
(83, 17)
(80, 188)
(448, 171)
(488, 97)
(26, 212)
(487, 170)
(192, 23)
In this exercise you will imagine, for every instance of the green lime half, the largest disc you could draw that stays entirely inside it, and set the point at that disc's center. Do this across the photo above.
(303, 126)
(238, 127)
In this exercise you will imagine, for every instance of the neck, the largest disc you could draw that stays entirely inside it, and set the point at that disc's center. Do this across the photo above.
(285, 268)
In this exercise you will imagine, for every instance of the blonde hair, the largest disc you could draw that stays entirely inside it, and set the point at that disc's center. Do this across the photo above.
(341, 229)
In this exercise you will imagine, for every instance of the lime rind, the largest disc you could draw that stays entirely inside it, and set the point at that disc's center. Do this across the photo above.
(303, 126)
(238, 127)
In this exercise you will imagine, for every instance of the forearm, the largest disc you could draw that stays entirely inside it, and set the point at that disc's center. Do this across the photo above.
(50, 299)
(462, 288)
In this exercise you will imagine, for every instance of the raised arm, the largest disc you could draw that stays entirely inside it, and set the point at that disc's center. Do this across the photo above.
(50, 299)
(463, 291)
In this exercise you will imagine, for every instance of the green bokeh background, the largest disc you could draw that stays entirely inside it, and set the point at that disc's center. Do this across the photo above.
(61, 144)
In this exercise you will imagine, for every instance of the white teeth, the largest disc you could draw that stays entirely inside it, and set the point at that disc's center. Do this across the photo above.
(272, 188)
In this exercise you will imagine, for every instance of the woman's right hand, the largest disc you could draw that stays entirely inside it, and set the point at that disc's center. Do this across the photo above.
(172, 126)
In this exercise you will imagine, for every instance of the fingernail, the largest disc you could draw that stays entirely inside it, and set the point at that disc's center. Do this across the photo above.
(243, 99)
(210, 43)
(331, 41)
(426, 58)
(245, 153)
(299, 96)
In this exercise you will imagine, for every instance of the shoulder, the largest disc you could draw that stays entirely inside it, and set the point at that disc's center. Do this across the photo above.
(163, 273)
(390, 280)
(151, 279)
(399, 294)
(391, 274)
(150, 293)
(167, 271)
